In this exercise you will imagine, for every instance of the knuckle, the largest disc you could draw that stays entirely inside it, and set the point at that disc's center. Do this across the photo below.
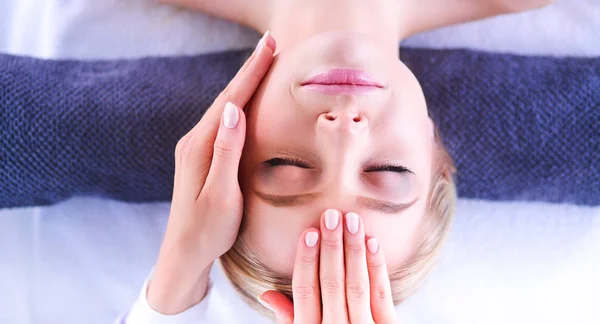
(183, 147)
(375, 264)
(357, 290)
(222, 148)
(307, 260)
(331, 286)
(331, 242)
(379, 291)
(355, 250)
(304, 292)
(227, 93)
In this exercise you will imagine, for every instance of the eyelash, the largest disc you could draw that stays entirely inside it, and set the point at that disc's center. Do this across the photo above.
(301, 164)
(287, 161)
(389, 168)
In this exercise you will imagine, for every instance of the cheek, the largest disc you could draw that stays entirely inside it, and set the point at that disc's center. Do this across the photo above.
(274, 118)
(398, 236)
(273, 235)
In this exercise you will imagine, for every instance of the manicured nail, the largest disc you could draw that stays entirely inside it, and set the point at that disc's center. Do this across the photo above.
(231, 115)
(264, 303)
(311, 239)
(332, 218)
(352, 222)
(261, 42)
(372, 245)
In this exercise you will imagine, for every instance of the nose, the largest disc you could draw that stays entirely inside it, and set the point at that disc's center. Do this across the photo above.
(344, 121)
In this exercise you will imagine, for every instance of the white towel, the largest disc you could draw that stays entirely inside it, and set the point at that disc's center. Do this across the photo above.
(134, 28)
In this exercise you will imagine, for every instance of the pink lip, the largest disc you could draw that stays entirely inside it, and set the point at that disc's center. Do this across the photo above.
(342, 81)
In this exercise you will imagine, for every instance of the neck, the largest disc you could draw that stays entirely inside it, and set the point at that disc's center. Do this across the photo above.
(294, 21)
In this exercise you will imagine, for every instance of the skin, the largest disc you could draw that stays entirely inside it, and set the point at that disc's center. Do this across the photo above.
(206, 209)
(338, 156)
(344, 270)
(340, 141)
(370, 153)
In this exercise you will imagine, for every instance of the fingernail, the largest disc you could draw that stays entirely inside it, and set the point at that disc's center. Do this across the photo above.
(264, 303)
(261, 42)
(231, 116)
(352, 222)
(311, 239)
(372, 245)
(332, 218)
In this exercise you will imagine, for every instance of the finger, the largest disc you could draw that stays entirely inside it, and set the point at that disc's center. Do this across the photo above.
(279, 304)
(227, 150)
(357, 274)
(331, 273)
(305, 281)
(243, 85)
(382, 304)
(193, 154)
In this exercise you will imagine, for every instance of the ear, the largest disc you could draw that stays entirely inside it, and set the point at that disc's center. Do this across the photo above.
(279, 304)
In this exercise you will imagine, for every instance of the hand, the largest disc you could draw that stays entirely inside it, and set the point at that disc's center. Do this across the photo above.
(338, 267)
(207, 204)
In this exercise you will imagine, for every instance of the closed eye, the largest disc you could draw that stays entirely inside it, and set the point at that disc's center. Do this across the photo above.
(287, 161)
(389, 168)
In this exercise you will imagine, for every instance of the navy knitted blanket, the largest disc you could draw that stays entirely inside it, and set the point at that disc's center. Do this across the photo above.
(518, 128)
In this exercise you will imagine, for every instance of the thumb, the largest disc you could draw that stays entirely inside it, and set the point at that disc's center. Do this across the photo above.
(279, 304)
(227, 149)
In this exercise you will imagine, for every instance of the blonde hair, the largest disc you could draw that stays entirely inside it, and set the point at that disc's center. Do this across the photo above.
(251, 277)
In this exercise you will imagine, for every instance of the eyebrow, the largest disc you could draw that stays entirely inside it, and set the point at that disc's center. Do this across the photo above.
(302, 199)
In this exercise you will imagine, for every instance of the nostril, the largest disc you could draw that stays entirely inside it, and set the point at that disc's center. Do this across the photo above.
(357, 119)
(329, 117)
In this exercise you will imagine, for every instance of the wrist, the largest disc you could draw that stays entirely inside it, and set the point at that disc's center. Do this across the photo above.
(187, 252)
(178, 282)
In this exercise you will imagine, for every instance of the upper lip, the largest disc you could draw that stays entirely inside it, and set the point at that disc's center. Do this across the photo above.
(343, 77)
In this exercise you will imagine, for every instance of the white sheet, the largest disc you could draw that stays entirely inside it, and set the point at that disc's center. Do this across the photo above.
(83, 261)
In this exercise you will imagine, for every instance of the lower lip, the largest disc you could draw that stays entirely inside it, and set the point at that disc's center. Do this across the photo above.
(342, 81)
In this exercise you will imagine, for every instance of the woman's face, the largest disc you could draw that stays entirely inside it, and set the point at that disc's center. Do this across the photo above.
(317, 141)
